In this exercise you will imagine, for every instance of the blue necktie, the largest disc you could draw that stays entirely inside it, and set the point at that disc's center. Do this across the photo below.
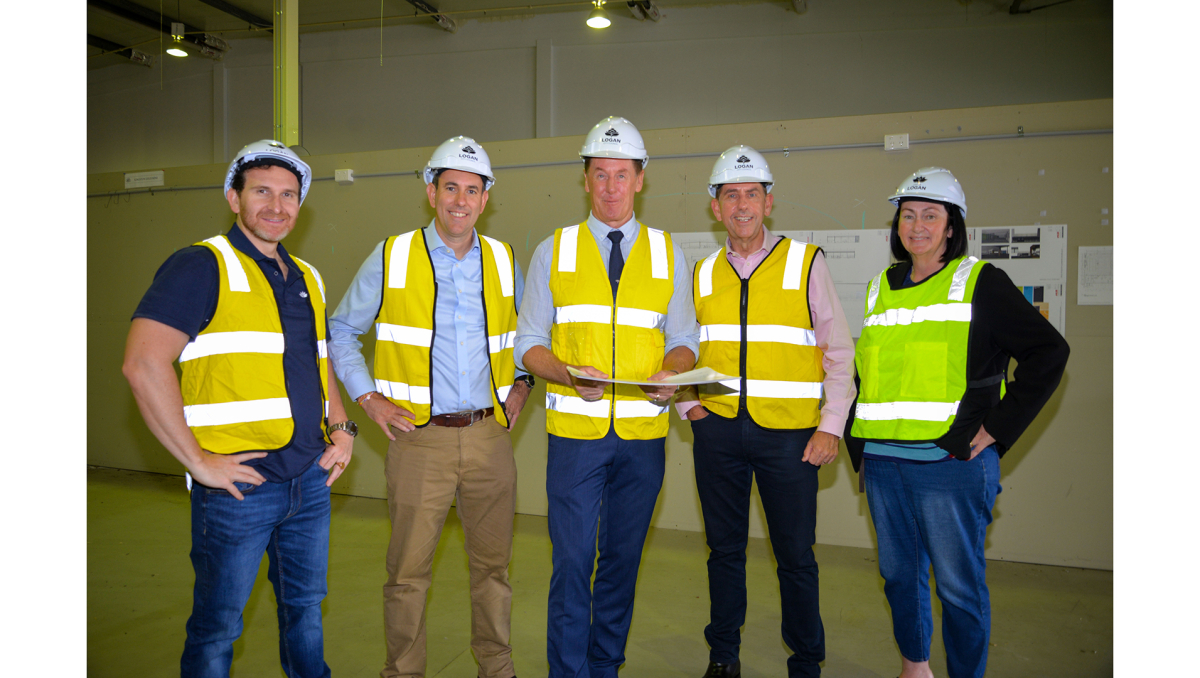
(616, 261)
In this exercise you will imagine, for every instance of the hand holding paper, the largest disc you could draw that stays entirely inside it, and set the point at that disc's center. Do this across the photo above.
(660, 393)
(704, 375)
(588, 381)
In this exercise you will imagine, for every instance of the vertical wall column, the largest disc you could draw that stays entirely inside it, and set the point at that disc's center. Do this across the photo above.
(287, 71)
(545, 89)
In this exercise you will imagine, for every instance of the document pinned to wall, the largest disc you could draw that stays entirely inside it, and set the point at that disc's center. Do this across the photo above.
(853, 257)
(1096, 276)
(1034, 257)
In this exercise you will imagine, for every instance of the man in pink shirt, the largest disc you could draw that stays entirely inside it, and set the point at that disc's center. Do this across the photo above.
(769, 313)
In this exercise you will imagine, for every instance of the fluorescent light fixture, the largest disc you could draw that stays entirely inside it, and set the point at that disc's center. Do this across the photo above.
(176, 52)
(598, 18)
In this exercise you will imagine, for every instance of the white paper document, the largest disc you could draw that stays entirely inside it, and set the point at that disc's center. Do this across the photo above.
(704, 375)
(1096, 276)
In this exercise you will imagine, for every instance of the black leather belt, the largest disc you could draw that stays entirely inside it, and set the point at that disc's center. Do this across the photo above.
(461, 419)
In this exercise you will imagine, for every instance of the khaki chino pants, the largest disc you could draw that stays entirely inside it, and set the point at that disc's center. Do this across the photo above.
(426, 469)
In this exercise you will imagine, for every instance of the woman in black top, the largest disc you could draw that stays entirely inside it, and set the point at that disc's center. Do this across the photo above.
(930, 437)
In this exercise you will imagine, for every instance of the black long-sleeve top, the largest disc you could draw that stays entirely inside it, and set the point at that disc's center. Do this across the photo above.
(1003, 325)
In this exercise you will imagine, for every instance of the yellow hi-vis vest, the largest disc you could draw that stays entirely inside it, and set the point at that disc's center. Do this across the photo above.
(623, 339)
(404, 325)
(912, 355)
(761, 328)
(235, 396)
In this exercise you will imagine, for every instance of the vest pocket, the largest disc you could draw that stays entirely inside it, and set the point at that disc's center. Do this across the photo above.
(649, 352)
(924, 375)
(868, 374)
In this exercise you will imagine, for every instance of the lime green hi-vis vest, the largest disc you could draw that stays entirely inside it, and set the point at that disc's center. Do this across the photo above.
(912, 355)
(765, 322)
(404, 325)
(235, 396)
(622, 337)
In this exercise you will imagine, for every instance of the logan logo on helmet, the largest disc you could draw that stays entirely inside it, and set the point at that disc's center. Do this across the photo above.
(918, 180)
(468, 149)
(611, 132)
(743, 158)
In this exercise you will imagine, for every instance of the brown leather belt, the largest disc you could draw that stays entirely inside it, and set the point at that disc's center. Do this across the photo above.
(461, 419)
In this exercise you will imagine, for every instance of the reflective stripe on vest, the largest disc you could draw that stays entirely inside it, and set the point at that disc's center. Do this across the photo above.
(588, 323)
(912, 355)
(404, 326)
(233, 386)
(784, 374)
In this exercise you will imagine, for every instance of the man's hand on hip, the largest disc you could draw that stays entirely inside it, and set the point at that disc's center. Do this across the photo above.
(822, 448)
(515, 401)
(223, 470)
(337, 455)
(383, 412)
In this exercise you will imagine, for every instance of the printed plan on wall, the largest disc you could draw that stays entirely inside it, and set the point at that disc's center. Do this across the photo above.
(1035, 257)
(1095, 276)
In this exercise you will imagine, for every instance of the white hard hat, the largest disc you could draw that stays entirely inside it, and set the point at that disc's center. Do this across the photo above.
(738, 165)
(461, 153)
(932, 183)
(615, 137)
(269, 148)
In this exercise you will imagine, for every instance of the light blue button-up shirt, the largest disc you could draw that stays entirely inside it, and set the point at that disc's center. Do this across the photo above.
(461, 373)
(537, 316)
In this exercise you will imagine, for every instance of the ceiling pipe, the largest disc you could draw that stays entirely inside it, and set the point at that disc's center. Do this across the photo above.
(204, 44)
(239, 13)
(444, 21)
(136, 56)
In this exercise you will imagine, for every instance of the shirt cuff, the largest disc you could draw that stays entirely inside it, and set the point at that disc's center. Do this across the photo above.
(684, 407)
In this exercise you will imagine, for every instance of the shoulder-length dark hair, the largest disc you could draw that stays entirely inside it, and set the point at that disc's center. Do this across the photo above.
(956, 244)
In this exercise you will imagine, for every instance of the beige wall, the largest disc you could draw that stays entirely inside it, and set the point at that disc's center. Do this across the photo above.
(1056, 507)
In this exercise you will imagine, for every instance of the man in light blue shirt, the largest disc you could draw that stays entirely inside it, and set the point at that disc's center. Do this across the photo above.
(443, 300)
(606, 451)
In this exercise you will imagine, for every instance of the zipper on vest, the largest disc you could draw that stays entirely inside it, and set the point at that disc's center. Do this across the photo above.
(612, 411)
(742, 345)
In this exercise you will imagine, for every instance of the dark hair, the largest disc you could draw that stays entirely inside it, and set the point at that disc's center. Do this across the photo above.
(956, 226)
(239, 177)
(437, 176)
(762, 184)
(587, 163)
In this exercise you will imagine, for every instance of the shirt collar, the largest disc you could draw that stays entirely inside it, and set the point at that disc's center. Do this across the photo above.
(434, 240)
(600, 230)
(243, 244)
(768, 239)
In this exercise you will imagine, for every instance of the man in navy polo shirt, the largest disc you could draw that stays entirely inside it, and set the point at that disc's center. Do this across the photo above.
(256, 407)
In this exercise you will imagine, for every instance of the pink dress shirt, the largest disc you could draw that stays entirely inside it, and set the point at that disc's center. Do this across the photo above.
(829, 324)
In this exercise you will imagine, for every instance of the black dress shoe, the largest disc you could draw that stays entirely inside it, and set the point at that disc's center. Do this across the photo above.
(716, 670)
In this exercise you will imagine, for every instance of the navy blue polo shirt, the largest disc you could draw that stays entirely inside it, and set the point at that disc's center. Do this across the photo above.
(184, 296)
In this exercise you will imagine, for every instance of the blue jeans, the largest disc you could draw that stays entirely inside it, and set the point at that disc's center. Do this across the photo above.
(938, 514)
(601, 496)
(290, 522)
(729, 454)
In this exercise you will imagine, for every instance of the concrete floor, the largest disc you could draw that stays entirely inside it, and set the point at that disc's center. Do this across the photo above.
(1046, 621)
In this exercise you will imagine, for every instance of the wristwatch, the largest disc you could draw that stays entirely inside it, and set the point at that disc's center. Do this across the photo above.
(347, 426)
(527, 378)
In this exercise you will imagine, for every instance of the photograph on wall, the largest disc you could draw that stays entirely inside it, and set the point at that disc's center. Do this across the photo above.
(994, 235)
(1027, 234)
(1024, 251)
(993, 251)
